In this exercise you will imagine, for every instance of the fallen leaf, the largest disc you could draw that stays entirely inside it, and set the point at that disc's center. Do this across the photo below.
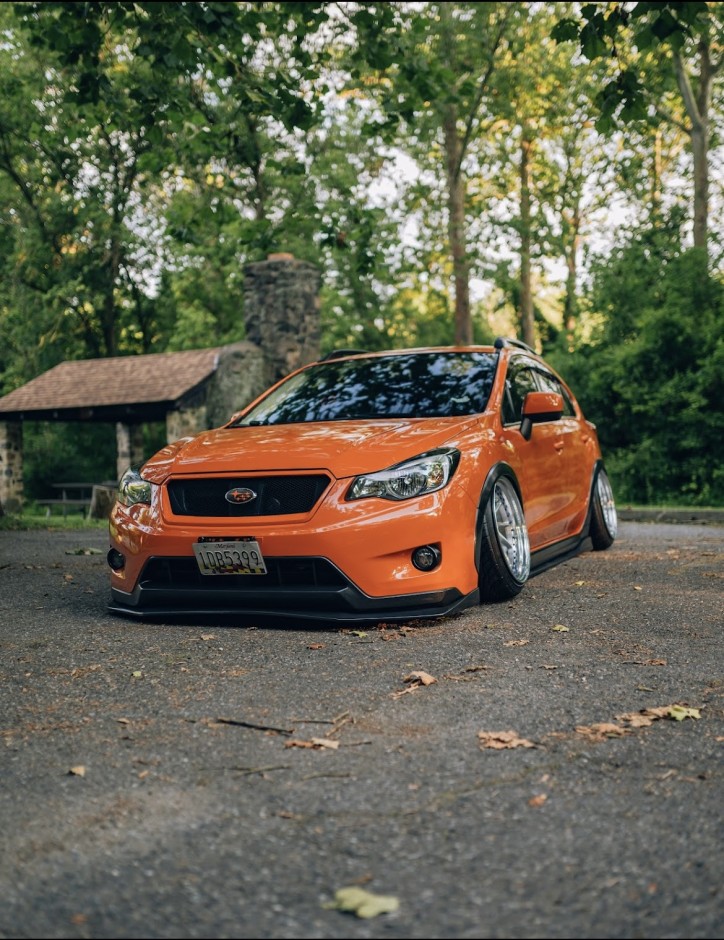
(580, 583)
(680, 712)
(208, 636)
(502, 740)
(137, 674)
(538, 800)
(601, 731)
(78, 771)
(354, 900)
(123, 721)
(315, 743)
(516, 643)
(560, 628)
(316, 646)
(547, 666)
(637, 587)
(647, 716)
(68, 577)
(637, 719)
(423, 677)
(326, 742)
(662, 711)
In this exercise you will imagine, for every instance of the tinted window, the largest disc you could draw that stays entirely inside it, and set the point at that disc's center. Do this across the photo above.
(520, 381)
(549, 383)
(415, 385)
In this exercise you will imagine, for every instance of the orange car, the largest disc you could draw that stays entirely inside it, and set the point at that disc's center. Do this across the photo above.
(367, 487)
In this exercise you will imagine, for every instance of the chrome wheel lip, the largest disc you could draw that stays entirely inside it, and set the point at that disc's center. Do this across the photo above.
(608, 505)
(511, 530)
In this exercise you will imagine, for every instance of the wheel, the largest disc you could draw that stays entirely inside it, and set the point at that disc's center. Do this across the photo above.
(604, 519)
(504, 544)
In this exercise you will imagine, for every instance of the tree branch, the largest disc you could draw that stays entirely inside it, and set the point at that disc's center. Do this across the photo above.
(482, 88)
(687, 93)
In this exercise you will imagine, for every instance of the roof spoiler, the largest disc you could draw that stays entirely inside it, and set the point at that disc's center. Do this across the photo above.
(502, 341)
(340, 353)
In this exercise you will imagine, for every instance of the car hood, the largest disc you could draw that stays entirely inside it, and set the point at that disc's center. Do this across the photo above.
(345, 448)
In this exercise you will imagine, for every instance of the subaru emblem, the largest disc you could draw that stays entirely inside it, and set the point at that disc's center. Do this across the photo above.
(239, 495)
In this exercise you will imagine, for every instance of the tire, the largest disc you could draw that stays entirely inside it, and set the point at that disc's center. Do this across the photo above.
(604, 519)
(504, 544)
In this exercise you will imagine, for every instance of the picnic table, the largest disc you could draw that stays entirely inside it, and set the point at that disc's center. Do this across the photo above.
(82, 496)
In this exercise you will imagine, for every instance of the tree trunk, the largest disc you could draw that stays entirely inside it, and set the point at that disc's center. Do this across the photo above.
(456, 229)
(697, 108)
(656, 176)
(526, 294)
(700, 152)
(572, 230)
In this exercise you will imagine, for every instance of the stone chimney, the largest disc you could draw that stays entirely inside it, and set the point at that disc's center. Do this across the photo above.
(281, 312)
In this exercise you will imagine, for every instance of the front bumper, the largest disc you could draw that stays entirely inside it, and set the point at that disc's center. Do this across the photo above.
(241, 596)
(344, 561)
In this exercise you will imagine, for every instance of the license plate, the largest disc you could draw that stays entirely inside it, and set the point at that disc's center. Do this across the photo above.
(229, 556)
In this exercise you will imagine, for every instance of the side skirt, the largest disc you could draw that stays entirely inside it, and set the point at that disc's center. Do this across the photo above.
(552, 555)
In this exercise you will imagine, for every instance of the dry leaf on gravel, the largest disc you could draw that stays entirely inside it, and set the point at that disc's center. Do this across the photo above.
(559, 628)
(601, 731)
(502, 740)
(424, 678)
(516, 643)
(647, 716)
(77, 771)
(354, 900)
(538, 800)
(417, 680)
(315, 744)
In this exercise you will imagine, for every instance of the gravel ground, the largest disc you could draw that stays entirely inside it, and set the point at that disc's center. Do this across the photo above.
(207, 780)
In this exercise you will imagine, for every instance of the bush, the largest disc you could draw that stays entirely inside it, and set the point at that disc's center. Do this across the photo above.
(650, 376)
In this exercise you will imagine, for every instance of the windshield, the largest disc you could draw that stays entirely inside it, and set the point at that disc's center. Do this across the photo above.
(412, 385)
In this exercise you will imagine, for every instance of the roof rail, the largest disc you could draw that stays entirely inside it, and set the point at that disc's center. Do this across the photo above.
(339, 353)
(502, 341)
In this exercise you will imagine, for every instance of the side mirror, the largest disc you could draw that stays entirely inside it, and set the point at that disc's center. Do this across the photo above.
(538, 407)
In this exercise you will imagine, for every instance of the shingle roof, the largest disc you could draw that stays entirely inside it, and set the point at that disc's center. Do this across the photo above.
(119, 381)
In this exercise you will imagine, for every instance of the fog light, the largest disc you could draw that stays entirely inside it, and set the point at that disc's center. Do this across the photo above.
(115, 559)
(426, 557)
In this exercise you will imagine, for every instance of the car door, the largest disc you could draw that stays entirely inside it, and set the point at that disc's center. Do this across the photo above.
(537, 461)
(573, 466)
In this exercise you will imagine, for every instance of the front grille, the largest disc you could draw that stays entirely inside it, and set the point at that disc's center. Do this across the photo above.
(183, 573)
(275, 495)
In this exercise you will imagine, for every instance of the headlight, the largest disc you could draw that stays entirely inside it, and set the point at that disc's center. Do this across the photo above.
(133, 489)
(416, 477)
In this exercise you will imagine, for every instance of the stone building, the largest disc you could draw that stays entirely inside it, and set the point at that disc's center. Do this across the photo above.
(190, 391)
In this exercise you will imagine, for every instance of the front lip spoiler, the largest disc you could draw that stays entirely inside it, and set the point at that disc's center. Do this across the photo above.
(166, 604)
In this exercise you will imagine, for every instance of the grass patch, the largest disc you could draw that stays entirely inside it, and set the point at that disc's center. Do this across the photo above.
(25, 521)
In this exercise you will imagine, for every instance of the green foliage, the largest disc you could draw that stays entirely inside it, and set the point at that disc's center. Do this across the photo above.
(602, 28)
(58, 452)
(652, 374)
(148, 151)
